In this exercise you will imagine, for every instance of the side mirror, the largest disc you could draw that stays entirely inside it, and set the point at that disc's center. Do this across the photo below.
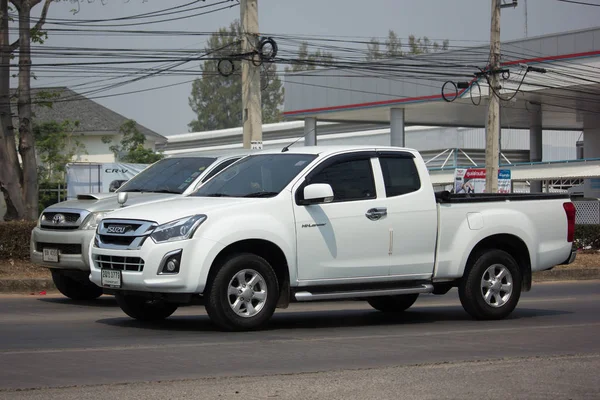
(317, 193)
(122, 198)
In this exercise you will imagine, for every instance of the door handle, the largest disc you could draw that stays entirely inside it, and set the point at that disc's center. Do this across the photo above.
(376, 213)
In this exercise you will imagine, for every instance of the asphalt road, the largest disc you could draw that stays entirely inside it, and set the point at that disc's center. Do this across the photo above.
(51, 347)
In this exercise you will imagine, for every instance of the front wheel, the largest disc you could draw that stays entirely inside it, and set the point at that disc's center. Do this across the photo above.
(144, 309)
(243, 293)
(75, 286)
(491, 287)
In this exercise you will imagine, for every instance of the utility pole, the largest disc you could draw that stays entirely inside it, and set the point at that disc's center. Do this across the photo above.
(492, 146)
(251, 96)
(492, 139)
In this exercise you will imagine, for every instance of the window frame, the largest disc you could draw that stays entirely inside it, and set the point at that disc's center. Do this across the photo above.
(400, 155)
(336, 159)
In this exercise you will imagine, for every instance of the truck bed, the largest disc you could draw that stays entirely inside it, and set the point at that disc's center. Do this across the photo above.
(447, 197)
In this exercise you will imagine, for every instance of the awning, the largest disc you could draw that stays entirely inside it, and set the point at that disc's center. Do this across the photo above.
(574, 169)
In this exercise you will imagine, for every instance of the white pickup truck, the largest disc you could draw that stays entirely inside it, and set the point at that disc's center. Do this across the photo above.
(323, 223)
(64, 231)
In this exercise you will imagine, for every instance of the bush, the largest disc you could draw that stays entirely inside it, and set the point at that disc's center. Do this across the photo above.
(14, 239)
(587, 237)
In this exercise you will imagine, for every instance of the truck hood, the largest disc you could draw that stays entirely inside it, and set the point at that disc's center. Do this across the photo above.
(108, 201)
(167, 211)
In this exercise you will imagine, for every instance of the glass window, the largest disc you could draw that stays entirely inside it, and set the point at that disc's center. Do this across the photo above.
(350, 180)
(170, 175)
(400, 175)
(219, 168)
(262, 175)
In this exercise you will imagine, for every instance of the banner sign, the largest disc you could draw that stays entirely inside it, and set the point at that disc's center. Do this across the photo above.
(113, 175)
(83, 178)
(472, 180)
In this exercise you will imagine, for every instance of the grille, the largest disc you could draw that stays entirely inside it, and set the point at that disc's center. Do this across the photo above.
(117, 240)
(120, 263)
(71, 218)
(63, 248)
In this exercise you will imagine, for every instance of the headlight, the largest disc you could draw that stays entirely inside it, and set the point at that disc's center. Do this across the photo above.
(180, 229)
(39, 223)
(91, 221)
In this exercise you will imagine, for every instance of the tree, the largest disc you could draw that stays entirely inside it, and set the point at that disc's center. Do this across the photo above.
(131, 148)
(18, 179)
(307, 61)
(217, 99)
(56, 145)
(393, 47)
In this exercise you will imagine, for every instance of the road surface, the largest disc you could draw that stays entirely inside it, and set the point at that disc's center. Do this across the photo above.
(52, 347)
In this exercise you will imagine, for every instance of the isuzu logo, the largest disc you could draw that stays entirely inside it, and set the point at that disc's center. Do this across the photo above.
(120, 229)
(58, 219)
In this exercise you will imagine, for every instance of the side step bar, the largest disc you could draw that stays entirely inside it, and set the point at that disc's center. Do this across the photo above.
(308, 296)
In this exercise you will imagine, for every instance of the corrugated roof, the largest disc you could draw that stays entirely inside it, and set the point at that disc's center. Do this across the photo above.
(93, 117)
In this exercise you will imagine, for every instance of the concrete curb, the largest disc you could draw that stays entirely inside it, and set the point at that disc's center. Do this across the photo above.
(28, 285)
(567, 274)
(36, 285)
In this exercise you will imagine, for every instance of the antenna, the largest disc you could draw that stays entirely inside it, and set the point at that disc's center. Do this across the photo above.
(286, 148)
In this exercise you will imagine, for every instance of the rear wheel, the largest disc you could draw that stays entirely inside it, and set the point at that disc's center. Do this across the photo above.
(75, 285)
(243, 293)
(397, 303)
(491, 287)
(144, 309)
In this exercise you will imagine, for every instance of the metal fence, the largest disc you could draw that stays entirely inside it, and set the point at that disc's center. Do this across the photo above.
(587, 212)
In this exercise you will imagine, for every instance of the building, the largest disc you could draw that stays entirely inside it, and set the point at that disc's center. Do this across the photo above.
(95, 123)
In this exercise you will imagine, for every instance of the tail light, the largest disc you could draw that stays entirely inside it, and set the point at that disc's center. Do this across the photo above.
(570, 211)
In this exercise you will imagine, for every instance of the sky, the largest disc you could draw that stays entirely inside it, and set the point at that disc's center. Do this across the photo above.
(166, 111)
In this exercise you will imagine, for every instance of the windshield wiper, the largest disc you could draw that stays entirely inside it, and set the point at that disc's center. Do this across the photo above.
(262, 194)
(217, 195)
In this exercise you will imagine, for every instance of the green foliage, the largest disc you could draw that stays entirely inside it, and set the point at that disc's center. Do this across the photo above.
(56, 145)
(14, 239)
(587, 236)
(216, 99)
(393, 47)
(131, 148)
(307, 61)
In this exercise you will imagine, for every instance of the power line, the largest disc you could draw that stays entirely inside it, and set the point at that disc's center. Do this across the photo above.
(583, 3)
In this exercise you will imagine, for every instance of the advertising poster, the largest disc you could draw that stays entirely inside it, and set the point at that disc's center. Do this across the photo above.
(472, 180)
(113, 175)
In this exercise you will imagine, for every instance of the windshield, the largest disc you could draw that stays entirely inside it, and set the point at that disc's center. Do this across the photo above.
(170, 175)
(262, 175)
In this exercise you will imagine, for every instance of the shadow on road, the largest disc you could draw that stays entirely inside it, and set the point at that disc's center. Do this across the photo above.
(328, 319)
(105, 301)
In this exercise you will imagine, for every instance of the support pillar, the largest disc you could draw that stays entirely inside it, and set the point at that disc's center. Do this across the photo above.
(535, 142)
(397, 137)
(591, 149)
(310, 131)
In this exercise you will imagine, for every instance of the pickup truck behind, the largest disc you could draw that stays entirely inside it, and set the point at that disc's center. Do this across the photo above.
(62, 237)
(324, 223)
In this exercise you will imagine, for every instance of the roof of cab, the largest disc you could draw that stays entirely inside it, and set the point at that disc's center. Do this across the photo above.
(325, 150)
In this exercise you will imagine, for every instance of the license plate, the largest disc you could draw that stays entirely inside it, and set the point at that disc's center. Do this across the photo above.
(50, 255)
(111, 278)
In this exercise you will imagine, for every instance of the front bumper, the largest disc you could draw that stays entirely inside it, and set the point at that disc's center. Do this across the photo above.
(197, 255)
(61, 238)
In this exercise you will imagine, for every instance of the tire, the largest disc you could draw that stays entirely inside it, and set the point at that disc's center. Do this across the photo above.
(228, 290)
(397, 303)
(75, 288)
(477, 283)
(144, 309)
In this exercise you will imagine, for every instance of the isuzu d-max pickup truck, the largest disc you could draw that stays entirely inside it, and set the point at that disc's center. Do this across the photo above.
(323, 223)
(64, 231)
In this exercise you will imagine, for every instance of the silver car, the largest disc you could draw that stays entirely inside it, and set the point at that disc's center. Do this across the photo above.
(64, 230)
